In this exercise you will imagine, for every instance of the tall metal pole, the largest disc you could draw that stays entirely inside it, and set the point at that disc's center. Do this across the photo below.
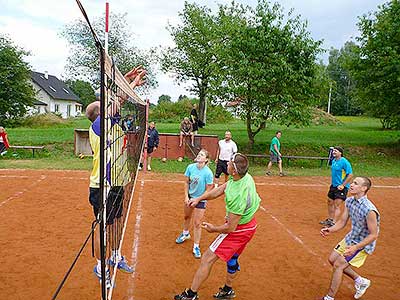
(107, 27)
(329, 100)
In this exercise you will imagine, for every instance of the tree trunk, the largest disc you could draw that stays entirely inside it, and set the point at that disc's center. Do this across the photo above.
(202, 106)
(250, 133)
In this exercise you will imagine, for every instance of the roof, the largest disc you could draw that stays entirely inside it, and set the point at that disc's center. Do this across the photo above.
(37, 102)
(56, 88)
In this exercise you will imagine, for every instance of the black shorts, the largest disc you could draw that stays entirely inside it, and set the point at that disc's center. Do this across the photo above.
(150, 150)
(201, 205)
(334, 193)
(222, 167)
(114, 202)
(2, 147)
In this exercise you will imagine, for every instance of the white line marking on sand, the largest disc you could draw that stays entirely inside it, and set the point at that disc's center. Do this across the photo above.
(136, 240)
(17, 194)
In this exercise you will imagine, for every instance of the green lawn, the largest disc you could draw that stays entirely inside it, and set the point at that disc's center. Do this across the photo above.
(371, 150)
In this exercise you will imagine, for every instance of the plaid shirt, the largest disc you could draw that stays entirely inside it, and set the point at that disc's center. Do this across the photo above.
(358, 212)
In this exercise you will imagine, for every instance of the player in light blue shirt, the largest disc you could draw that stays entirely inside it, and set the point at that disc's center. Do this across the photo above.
(341, 176)
(199, 179)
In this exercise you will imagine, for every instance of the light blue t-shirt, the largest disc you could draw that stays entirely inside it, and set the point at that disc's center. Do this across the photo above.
(340, 169)
(198, 179)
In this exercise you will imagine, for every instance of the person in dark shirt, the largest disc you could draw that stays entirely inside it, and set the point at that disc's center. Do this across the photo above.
(152, 142)
(194, 119)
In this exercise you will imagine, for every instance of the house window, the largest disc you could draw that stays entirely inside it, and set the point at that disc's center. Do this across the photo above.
(65, 90)
(56, 107)
(68, 110)
(53, 89)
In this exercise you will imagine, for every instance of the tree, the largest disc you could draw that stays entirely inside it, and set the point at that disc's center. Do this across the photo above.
(344, 101)
(267, 65)
(376, 67)
(16, 92)
(164, 98)
(84, 58)
(83, 90)
(192, 57)
(322, 85)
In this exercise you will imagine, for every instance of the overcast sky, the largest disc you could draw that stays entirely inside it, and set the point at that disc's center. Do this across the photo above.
(35, 25)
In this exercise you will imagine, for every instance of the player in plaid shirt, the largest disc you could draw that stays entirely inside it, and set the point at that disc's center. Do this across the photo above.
(360, 242)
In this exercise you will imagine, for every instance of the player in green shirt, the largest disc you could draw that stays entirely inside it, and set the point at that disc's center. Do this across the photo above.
(241, 202)
(275, 153)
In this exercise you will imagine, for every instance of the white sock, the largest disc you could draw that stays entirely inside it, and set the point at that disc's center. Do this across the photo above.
(328, 298)
(185, 232)
(99, 265)
(215, 185)
(196, 245)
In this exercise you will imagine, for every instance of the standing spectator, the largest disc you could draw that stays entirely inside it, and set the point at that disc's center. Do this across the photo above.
(194, 119)
(360, 242)
(341, 175)
(152, 142)
(238, 228)
(186, 130)
(226, 149)
(4, 145)
(275, 153)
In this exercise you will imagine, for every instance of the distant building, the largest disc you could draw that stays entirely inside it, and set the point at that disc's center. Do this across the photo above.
(53, 95)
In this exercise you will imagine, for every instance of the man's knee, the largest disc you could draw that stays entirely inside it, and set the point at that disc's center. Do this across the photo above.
(232, 265)
(208, 258)
(340, 263)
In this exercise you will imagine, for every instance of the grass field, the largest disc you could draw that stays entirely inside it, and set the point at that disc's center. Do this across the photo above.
(372, 150)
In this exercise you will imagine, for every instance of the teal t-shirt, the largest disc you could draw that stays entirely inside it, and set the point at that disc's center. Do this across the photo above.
(198, 179)
(241, 198)
(340, 169)
(275, 141)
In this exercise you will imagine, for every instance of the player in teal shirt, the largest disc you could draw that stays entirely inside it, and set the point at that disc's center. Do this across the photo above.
(341, 176)
(275, 154)
(199, 179)
(242, 202)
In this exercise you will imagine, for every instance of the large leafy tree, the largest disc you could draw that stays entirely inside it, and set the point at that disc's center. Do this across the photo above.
(344, 101)
(267, 65)
(84, 58)
(192, 57)
(16, 92)
(83, 90)
(377, 66)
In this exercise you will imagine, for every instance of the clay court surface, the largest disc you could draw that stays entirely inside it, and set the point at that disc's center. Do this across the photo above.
(45, 217)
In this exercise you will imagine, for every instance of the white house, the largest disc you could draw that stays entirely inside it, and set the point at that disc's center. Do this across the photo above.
(53, 95)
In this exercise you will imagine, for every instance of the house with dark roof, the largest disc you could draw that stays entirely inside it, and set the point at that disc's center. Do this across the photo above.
(53, 95)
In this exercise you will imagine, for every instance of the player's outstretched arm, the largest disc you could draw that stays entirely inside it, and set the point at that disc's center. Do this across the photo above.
(229, 226)
(209, 195)
(339, 224)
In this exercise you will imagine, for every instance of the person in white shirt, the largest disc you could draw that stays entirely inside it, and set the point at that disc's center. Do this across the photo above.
(227, 148)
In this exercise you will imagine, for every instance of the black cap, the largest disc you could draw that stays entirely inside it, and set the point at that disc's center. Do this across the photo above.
(340, 149)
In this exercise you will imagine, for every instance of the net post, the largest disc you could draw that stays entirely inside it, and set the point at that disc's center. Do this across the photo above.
(106, 27)
(145, 136)
(102, 176)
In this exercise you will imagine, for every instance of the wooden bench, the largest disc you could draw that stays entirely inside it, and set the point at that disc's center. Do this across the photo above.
(33, 148)
(289, 157)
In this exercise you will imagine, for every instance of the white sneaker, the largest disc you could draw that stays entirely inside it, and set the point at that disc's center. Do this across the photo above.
(148, 168)
(361, 288)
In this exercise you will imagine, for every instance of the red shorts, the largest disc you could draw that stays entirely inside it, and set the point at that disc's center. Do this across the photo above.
(228, 244)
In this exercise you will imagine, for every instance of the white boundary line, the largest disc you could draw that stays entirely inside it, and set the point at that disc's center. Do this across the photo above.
(17, 194)
(297, 239)
(136, 240)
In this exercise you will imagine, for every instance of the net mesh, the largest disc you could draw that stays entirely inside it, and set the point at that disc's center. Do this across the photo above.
(124, 135)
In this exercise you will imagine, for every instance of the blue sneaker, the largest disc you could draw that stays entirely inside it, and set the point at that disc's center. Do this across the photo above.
(196, 252)
(108, 277)
(122, 265)
(182, 237)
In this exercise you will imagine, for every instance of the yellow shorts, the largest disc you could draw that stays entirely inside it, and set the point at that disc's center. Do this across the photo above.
(356, 260)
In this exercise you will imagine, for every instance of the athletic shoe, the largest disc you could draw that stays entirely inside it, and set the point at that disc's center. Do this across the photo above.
(327, 222)
(185, 296)
(148, 168)
(122, 265)
(361, 288)
(98, 275)
(182, 237)
(222, 294)
(3, 153)
(196, 252)
(281, 174)
(268, 173)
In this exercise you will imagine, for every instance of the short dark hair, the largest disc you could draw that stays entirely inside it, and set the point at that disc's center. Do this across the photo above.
(366, 182)
(340, 149)
(242, 164)
(278, 132)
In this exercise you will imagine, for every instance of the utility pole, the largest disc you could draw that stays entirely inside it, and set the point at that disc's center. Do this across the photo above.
(329, 99)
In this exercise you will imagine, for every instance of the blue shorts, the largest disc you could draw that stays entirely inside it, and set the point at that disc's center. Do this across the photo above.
(201, 205)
